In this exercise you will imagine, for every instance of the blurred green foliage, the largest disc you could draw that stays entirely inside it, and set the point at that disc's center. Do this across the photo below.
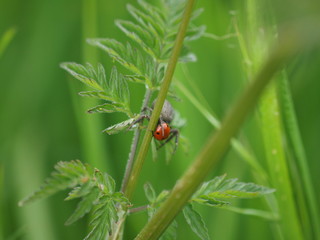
(39, 123)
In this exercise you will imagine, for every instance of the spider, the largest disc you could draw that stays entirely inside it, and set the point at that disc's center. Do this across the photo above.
(163, 132)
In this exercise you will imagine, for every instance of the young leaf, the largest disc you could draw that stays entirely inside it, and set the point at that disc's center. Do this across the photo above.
(149, 192)
(97, 94)
(103, 217)
(211, 193)
(67, 175)
(84, 206)
(85, 74)
(195, 222)
(119, 52)
(109, 108)
(119, 126)
(139, 35)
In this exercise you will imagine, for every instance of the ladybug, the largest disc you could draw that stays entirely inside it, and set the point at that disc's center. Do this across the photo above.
(163, 132)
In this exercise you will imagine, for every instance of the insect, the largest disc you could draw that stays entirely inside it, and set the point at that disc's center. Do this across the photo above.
(163, 132)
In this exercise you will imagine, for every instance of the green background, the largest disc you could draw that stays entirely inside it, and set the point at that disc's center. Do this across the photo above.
(43, 120)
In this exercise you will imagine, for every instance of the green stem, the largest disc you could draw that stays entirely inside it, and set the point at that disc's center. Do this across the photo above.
(160, 100)
(237, 145)
(134, 144)
(218, 143)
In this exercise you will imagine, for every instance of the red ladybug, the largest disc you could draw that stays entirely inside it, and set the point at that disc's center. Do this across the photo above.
(162, 131)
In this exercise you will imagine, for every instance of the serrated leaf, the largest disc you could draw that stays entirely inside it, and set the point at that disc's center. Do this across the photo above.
(85, 74)
(97, 94)
(109, 108)
(117, 51)
(211, 193)
(149, 192)
(195, 33)
(67, 175)
(104, 182)
(195, 222)
(103, 217)
(152, 11)
(119, 126)
(139, 35)
(147, 21)
(80, 191)
(211, 202)
(84, 206)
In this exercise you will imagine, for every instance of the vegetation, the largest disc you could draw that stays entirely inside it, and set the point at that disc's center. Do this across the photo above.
(159, 37)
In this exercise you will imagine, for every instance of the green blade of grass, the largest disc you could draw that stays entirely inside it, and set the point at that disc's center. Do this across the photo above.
(278, 168)
(295, 141)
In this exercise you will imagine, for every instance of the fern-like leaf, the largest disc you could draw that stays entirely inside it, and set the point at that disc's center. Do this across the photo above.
(67, 175)
(213, 192)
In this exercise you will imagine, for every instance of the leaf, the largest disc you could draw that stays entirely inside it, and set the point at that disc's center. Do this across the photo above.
(211, 193)
(109, 108)
(195, 33)
(85, 74)
(103, 217)
(119, 126)
(195, 222)
(104, 182)
(149, 192)
(211, 202)
(84, 206)
(140, 36)
(96, 94)
(80, 191)
(147, 21)
(119, 52)
(67, 175)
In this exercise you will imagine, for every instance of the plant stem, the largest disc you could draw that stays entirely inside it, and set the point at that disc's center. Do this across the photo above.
(134, 144)
(138, 209)
(160, 100)
(219, 142)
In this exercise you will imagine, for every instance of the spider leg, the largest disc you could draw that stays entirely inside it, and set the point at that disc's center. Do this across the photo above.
(138, 120)
(173, 133)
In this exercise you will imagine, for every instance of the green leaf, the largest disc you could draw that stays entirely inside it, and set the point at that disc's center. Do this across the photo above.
(84, 206)
(149, 192)
(211, 202)
(80, 191)
(85, 74)
(104, 182)
(67, 175)
(123, 55)
(195, 33)
(146, 21)
(195, 222)
(97, 94)
(109, 108)
(119, 126)
(103, 217)
(140, 36)
(211, 193)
